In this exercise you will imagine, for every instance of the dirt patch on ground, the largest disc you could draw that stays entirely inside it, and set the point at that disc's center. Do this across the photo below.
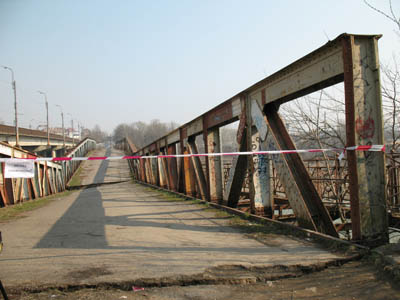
(88, 273)
(353, 280)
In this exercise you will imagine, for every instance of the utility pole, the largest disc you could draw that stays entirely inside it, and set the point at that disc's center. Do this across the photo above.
(15, 105)
(62, 119)
(47, 114)
(72, 125)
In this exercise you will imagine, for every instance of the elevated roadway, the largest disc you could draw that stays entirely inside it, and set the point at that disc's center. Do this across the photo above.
(36, 140)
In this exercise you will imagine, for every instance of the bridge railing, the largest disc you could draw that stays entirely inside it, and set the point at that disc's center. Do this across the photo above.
(50, 177)
(125, 144)
(352, 59)
(80, 150)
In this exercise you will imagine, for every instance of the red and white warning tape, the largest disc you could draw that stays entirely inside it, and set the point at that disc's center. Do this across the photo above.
(270, 152)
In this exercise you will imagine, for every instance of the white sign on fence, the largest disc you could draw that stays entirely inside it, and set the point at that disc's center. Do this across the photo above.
(19, 169)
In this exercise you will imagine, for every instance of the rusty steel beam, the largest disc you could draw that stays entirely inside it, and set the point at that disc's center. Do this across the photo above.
(190, 183)
(181, 167)
(364, 126)
(200, 177)
(162, 172)
(299, 174)
(144, 171)
(215, 165)
(208, 169)
(351, 137)
(149, 175)
(172, 168)
(164, 164)
(249, 146)
(237, 171)
(154, 171)
(236, 177)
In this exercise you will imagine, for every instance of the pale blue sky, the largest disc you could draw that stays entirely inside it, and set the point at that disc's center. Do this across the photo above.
(108, 62)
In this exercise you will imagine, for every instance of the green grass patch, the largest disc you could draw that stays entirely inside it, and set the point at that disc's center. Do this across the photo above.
(16, 211)
(76, 179)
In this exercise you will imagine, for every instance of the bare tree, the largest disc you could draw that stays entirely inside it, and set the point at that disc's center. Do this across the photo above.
(390, 85)
(391, 103)
(316, 121)
(390, 15)
(97, 134)
(142, 133)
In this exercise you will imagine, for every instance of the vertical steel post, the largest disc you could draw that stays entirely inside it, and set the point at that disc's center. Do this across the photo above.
(250, 162)
(215, 165)
(172, 168)
(364, 126)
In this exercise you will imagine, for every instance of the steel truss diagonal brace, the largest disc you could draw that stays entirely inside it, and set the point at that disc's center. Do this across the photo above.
(238, 170)
(201, 179)
(293, 169)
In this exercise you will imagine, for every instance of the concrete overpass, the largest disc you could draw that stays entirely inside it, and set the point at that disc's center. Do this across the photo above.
(36, 141)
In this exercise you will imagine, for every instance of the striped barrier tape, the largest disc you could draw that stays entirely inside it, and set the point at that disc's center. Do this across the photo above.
(375, 148)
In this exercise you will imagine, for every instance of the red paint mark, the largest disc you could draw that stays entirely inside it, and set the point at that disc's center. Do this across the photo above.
(365, 128)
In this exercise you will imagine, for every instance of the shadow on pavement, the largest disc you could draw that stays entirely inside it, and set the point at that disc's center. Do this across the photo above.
(82, 226)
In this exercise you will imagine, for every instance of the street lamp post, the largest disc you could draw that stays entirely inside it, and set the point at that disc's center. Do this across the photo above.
(62, 119)
(79, 131)
(30, 123)
(15, 105)
(72, 126)
(47, 116)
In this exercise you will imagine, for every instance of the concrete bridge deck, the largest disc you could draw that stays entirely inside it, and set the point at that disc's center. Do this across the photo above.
(125, 232)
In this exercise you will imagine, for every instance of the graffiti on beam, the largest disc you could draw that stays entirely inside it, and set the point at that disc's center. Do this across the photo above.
(258, 120)
(365, 128)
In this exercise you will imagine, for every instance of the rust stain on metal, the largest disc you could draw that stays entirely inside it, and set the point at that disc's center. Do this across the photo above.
(183, 133)
(263, 98)
(242, 126)
(347, 43)
(299, 173)
(172, 167)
